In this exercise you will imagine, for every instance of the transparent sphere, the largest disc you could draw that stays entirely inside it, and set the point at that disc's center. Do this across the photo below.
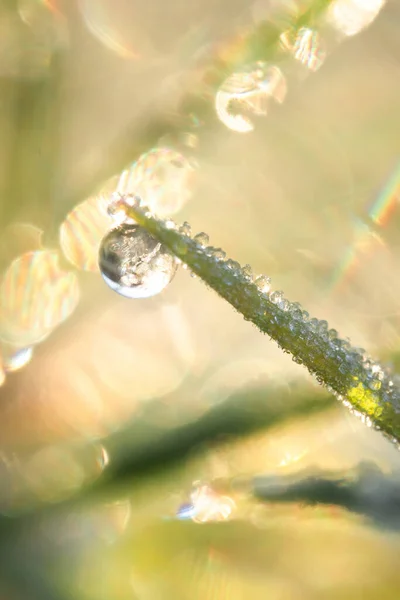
(134, 264)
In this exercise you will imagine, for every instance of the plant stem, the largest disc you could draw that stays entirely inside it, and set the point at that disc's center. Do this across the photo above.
(366, 388)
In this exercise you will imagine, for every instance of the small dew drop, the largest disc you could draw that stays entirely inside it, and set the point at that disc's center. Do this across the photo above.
(276, 297)
(119, 204)
(284, 305)
(232, 264)
(263, 283)
(170, 224)
(134, 264)
(218, 254)
(185, 229)
(201, 238)
(247, 272)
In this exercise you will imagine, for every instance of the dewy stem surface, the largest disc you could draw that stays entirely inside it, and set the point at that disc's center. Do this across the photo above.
(365, 387)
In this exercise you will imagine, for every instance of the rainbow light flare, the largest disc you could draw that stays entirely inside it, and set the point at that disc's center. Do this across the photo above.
(383, 207)
(365, 239)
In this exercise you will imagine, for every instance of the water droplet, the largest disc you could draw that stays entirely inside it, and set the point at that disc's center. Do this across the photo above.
(349, 17)
(118, 205)
(218, 254)
(170, 224)
(284, 304)
(134, 264)
(249, 91)
(276, 297)
(185, 229)
(247, 272)
(232, 264)
(162, 177)
(263, 283)
(202, 239)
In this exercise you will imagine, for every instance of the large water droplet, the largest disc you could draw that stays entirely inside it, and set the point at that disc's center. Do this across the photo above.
(248, 92)
(134, 264)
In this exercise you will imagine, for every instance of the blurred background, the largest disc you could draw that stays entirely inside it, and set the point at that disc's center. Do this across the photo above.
(162, 448)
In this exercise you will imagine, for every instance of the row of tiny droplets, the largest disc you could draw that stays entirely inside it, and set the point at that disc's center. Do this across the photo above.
(333, 361)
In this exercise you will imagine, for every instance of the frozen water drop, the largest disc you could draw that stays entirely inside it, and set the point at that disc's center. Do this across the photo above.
(219, 254)
(232, 264)
(284, 304)
(276, 297)
(247, 271)
(119, 204)
(263, 283)
(170, 224)
(185, 229)
(134, 264)
(202, 239)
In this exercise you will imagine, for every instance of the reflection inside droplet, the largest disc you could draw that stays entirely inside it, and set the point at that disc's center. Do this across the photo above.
(249, 92)
(349, 17)
(134, 264)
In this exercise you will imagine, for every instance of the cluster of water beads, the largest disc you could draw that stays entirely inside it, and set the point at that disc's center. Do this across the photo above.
(249, 91)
